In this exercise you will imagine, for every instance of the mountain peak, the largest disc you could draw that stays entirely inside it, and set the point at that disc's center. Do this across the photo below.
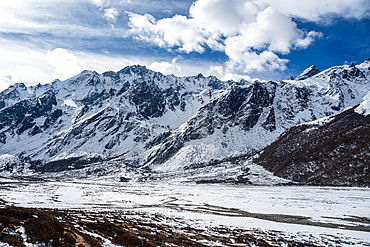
(367, 61)
(133, 69)
(309, 72)
(20, 85)
(200, 75)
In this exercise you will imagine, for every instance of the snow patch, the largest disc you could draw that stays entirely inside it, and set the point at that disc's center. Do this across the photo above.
(40, 121)
(8, 159)
(317, 123)
(258, 175)
(69, 102)
(76, 155)
(364, 107)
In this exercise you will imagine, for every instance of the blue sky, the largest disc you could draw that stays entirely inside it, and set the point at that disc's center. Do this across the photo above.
(272, 40)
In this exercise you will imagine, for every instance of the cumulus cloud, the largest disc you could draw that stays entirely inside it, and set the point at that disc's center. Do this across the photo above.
(65, 63)
(311, 36)
(178, 31)
(25, 74)
(111, 14)
(252, 33)
(166, 67)
(220, 72)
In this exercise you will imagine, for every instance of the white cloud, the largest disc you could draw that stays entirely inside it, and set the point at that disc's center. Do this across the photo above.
(178, 31)
(100, 3)
(304, 43)
(25, 74)
(166, 67)
(219, 72)
(252, 33)
(111, 14)
(65, 63)
(60, 18)
(322, 10)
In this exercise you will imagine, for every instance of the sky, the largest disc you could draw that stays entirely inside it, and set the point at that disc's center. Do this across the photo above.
(41, 41)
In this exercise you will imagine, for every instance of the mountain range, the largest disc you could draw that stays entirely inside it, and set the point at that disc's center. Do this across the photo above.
(137, 123)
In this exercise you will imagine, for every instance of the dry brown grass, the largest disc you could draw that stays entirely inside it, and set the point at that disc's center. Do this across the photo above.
(67, 228)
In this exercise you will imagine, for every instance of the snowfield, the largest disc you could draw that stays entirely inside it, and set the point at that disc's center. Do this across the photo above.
(324, 215)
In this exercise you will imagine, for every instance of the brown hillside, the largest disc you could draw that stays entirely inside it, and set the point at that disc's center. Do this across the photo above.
(336, 153)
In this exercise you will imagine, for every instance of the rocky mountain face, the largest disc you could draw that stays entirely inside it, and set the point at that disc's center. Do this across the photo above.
(20, 117)
(332, 151)
(142, 119)
(93, 117)
(246, 118)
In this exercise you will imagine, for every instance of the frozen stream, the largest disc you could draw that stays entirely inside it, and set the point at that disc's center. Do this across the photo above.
(338, 212)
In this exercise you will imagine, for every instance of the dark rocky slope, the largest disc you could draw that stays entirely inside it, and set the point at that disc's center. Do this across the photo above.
(334, 153)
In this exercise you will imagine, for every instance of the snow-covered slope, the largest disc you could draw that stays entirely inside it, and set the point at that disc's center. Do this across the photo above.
(364, 107)
(18, 92)
(247, 118)
(140, 118)
(109, 115)
(309, 72)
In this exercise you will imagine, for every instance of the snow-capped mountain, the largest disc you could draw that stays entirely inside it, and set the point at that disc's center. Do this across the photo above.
(99, 117)
(247, 118)
(309, 72)
(140, 118)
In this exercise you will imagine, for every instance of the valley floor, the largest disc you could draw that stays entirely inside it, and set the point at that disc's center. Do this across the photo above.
(103, 213)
